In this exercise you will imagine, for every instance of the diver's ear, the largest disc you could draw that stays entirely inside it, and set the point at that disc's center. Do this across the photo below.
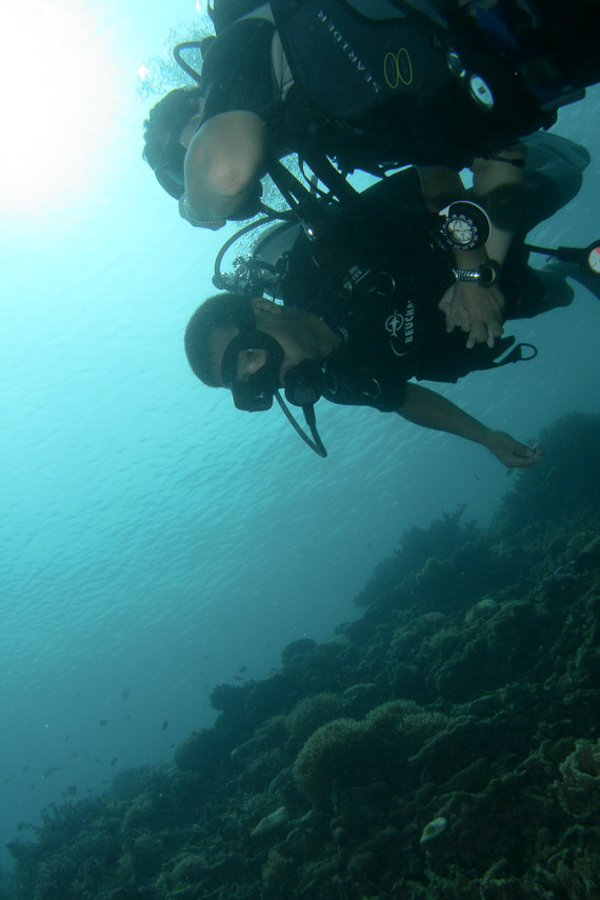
(262, 305)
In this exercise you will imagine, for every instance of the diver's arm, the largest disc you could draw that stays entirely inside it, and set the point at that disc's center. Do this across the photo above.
(440, 186)
(222, 163)
(498, 185)
(424, 407)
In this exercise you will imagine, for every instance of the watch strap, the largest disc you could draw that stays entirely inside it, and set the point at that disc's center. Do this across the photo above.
(485, 275)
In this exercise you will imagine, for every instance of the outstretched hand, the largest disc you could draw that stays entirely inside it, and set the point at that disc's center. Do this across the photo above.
(511, 452)
(476, 310)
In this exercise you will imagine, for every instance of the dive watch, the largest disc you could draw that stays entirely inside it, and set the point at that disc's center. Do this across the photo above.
(485, 275)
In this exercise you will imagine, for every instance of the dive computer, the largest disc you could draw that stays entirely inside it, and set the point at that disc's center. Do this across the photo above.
(466, 225)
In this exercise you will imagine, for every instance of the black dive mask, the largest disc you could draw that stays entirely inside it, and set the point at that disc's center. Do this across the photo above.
(257, 392)
(302, 383)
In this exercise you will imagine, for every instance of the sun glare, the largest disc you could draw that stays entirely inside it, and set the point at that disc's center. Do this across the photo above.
(58, 89)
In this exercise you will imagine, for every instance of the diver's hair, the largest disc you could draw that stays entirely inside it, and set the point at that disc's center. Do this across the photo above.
(166, 120)
(218, 312)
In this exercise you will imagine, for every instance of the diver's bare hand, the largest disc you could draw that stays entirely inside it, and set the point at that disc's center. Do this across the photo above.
(476, 310)
(512, 453)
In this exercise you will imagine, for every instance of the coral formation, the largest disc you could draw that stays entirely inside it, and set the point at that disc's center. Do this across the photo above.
(336, 752)
(308, 714)
(444, 745)
(579, 788)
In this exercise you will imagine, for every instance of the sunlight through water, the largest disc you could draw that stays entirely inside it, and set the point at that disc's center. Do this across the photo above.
(59, 89)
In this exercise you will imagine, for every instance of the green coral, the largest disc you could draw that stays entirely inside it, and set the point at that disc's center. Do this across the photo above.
(416, 546)
(199, 752)
(346, 752)
(310, 713)
(338, 750)
(568, 477)
(579, 789)
(403, 722)
(277, 873)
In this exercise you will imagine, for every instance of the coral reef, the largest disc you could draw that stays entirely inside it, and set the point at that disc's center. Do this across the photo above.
(579, 788)
(350, 753)
(445, 745)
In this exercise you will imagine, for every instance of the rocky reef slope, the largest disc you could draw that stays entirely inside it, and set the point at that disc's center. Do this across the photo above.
(445, 745)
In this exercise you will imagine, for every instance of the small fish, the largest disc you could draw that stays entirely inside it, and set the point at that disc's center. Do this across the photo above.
(114, 760)
(103, 722)
(50, 771)
(125, 694)
(165, 725)
(72, 790)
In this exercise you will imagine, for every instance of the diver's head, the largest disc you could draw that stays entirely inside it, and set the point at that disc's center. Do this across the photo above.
(250, 346)
(168, 131)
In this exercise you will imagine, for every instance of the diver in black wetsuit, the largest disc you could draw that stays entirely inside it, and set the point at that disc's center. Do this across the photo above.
(367, 82)
(360, 318)
(437, 88)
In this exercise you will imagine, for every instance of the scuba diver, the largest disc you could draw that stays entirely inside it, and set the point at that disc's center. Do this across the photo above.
(353, 312)
(370, 84)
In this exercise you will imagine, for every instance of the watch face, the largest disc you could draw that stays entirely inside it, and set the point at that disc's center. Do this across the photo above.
(461, 231)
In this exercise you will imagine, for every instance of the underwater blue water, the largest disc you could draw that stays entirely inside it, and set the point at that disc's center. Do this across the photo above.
(156, 541)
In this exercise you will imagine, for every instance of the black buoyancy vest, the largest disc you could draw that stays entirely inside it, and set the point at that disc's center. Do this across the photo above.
(349, 66)
(346, 62)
